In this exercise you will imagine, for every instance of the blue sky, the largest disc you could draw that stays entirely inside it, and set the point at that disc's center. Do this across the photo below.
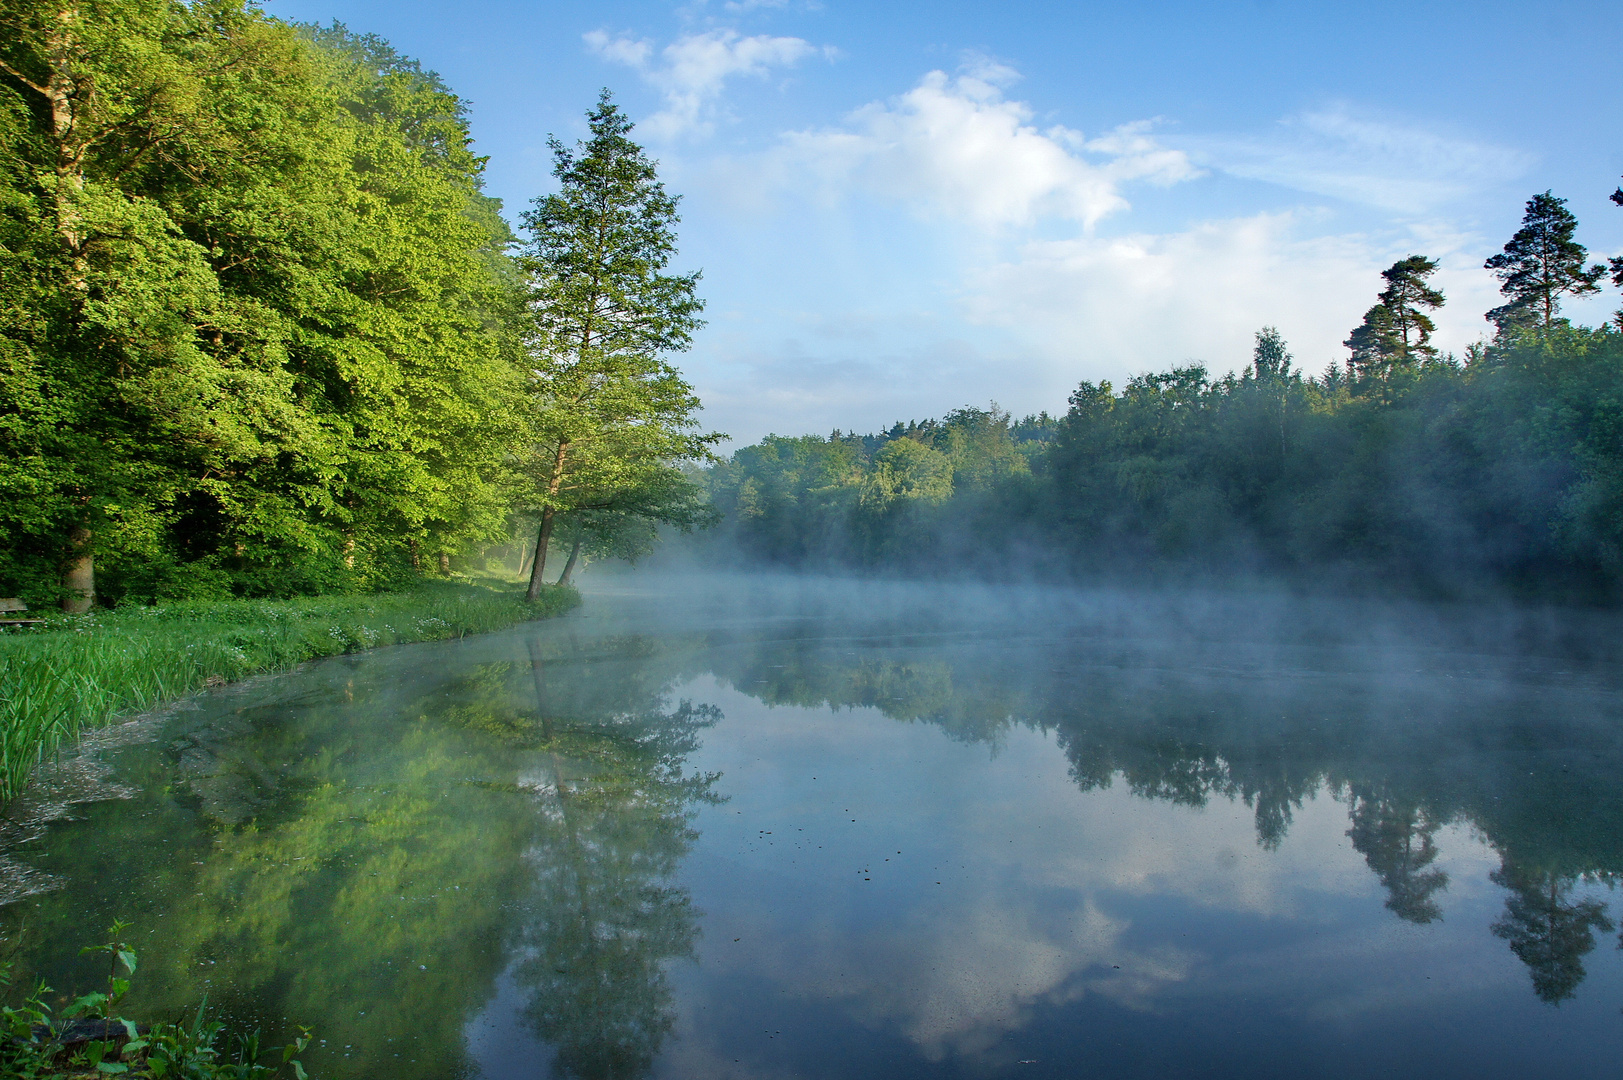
(904, 208)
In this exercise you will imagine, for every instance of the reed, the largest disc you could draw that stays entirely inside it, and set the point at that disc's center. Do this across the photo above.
(79, 672)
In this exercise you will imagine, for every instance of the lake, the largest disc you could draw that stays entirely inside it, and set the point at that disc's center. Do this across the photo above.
(751, 827)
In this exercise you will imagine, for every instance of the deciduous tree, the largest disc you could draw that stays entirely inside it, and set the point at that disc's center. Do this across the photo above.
(254, 328)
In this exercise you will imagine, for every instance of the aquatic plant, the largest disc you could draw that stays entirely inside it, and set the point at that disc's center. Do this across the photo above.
(36, 1043)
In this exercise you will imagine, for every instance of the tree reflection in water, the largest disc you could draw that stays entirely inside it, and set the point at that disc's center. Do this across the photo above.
(1395, 839)
(418, 833)
(1547, 930)
(603, 920)
(423, 833)
(1171, 732)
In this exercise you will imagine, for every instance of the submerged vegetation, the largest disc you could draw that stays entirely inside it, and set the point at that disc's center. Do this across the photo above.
(503, 814)
(90, 1037)
(83, 670)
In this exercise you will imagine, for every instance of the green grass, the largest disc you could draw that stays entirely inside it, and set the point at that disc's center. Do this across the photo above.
(79, 672)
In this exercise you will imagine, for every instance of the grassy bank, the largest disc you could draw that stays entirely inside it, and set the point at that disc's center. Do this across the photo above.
(80, 671)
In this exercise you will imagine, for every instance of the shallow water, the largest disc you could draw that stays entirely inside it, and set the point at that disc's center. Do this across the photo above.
(714, 828)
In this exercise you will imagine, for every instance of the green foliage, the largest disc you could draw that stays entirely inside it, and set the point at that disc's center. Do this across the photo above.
(1506, 471)
(81, 671)
(254, 311)
(1541, 264)
(906, 469)
(1404, 470)
(913, 496)
(1397, 329)
(609, 419)
(32, 1040)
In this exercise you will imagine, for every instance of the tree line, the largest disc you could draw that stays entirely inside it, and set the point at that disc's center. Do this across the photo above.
(263, 333)
(1401, 466)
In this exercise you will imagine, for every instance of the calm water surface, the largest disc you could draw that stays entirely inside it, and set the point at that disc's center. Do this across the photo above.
(750, 829)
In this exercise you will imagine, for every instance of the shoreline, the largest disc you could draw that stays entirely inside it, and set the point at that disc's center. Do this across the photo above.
(83, 673)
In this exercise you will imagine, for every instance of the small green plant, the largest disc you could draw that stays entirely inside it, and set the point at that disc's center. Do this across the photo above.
(33, 1044)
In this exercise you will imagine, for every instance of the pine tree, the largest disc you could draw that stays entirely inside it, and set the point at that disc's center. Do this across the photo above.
(607, 412)
(1397, 329)
(1372, 342)
(1540, 264)
(1408, 298)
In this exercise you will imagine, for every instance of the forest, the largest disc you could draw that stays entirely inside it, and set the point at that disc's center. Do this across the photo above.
(1402, 468)
(262, 334)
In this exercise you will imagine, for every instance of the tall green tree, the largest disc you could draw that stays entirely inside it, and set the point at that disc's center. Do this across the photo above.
(254, 321)
(1270, 357)
(605, 408)
(1397, 329)
(113, 313)
(1541, 264)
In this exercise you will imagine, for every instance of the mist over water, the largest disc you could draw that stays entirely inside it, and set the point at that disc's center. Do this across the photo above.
(773, 826)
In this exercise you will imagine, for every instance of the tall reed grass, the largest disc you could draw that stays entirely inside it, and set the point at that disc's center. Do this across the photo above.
(79, 672)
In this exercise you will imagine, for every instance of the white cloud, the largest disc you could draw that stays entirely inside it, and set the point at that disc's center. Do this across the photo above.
(1146, 301)
(1397, 167)
(1025, 323)
(937, 249)
(620, 50)
(694, 69)
(1041, 916)
(955, 146)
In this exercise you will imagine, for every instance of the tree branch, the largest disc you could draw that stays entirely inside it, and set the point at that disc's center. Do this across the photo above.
(25, 80)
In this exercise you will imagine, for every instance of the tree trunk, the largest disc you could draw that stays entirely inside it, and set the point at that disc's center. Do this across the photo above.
(445, 564)
(538, 567)
(61, 90)
(554, 482)
(67, 98)
(80, 579)
(574, 556)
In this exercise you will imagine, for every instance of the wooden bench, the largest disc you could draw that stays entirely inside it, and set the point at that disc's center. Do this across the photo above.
(9, 604)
